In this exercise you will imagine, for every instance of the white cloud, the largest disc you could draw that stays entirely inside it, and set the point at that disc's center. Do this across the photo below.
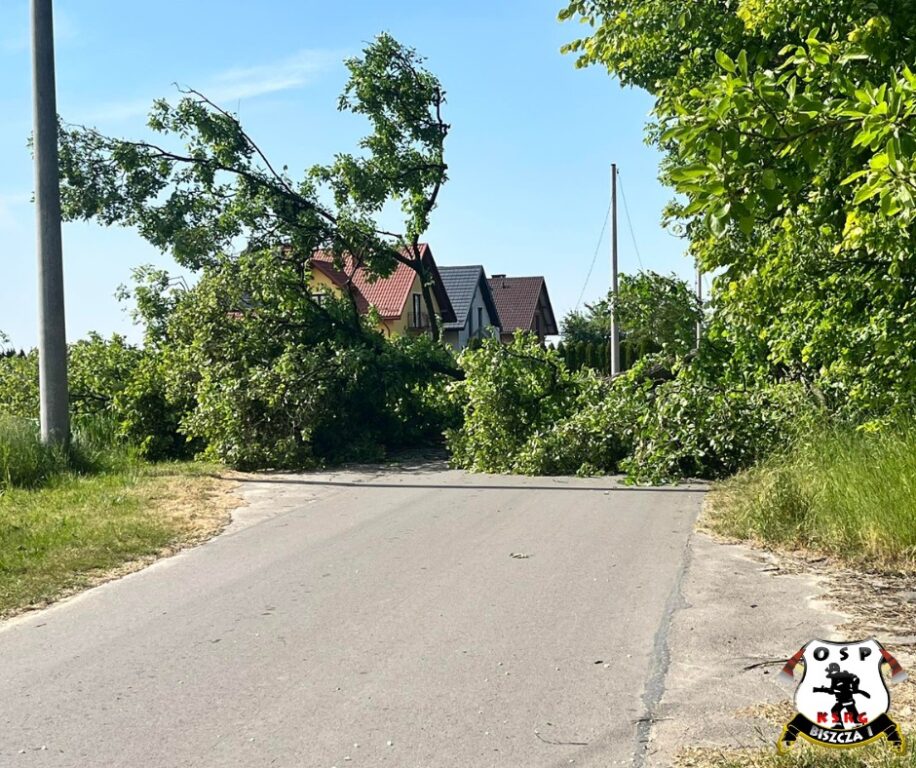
(234, 84)
(288, 74)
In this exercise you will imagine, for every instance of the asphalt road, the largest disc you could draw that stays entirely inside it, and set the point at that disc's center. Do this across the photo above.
(368, 618)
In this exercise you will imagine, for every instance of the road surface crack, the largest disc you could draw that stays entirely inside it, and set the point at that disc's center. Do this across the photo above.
(660, 660)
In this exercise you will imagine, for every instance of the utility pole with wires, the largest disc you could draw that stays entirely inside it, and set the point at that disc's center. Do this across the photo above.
(52, 337)
(615, 331)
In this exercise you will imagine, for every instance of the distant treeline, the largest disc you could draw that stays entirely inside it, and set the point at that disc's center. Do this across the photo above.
(588, 354)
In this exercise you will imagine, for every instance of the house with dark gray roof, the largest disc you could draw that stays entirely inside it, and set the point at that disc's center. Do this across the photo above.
(475, 311)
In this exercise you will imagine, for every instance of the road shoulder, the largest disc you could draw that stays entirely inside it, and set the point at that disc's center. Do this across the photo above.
(741, 617)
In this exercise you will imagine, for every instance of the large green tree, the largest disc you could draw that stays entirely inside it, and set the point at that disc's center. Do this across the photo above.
(655, 313)
(788, 130)
(207, 186)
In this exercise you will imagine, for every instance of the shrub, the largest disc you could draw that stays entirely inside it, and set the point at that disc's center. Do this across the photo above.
(122, 385)
(126, 384)
(277, 380)
(19, 385)
(510, 393)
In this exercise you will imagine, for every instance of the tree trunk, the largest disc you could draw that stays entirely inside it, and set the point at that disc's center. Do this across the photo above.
(420, 268)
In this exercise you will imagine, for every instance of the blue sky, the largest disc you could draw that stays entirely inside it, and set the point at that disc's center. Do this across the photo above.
(529, 154)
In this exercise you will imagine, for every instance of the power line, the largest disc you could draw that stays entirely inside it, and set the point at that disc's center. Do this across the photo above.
(595, 257)
(626, 210)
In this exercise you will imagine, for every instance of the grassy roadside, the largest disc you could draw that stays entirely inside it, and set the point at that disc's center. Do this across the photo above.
(846, 494)
(850, 496)
(802, 756)
(80, 530)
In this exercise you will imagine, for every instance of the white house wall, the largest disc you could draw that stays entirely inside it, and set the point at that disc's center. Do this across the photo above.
(460, 339)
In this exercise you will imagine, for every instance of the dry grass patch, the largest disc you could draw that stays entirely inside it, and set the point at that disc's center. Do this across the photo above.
(803, 755)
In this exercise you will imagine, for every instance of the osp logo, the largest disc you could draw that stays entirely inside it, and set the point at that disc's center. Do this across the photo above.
(841, 699)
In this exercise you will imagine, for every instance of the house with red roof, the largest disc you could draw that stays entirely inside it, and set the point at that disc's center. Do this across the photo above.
(398, 298)
(523, 305)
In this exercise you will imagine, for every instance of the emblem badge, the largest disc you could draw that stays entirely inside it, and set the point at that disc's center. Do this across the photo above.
(842, 699)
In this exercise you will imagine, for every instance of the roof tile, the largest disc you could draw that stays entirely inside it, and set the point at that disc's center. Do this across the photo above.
(516, 301)
(387, 294)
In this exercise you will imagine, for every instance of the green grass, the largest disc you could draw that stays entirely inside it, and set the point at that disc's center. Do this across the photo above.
(27, 463)
(75, 530)
(24, 461)
(846, 493)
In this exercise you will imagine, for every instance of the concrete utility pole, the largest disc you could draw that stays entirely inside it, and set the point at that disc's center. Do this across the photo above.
(52, 337)
(615, 331)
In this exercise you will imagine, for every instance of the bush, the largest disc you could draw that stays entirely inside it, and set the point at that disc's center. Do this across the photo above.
(276, 380)
(511, 392)
(19, 385)
(126, 384)
(111, 382)
(663, 420)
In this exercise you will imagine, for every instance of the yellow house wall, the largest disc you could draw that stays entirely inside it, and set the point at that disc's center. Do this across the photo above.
(393, 327)
(399, 326)
(321, 280)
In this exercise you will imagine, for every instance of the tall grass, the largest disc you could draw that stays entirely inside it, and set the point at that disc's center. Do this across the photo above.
(25, 462)
(846, 492)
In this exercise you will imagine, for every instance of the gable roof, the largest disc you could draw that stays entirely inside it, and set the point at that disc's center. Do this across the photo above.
(517, 300)
(461, 283)
(339, 278)
(387, 294)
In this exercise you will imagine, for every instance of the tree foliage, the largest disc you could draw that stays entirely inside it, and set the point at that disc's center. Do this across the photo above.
(265, 377)
(655, 313)
(788, 130)
(244, 368)
(510, 393)
(525, 412)
(207, 185)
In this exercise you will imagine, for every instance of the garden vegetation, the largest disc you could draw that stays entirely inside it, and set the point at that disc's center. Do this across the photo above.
(788, 133)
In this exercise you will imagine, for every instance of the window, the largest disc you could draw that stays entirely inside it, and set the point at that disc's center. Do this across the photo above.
(480, 321)
(318, 297)
(537, 325)
(416, 319)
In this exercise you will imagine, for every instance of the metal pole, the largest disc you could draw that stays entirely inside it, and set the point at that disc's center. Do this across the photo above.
(615, 331)
(700, 302)
(52, 337)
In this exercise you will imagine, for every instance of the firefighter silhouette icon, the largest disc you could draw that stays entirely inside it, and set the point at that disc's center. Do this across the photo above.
(842, 699)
